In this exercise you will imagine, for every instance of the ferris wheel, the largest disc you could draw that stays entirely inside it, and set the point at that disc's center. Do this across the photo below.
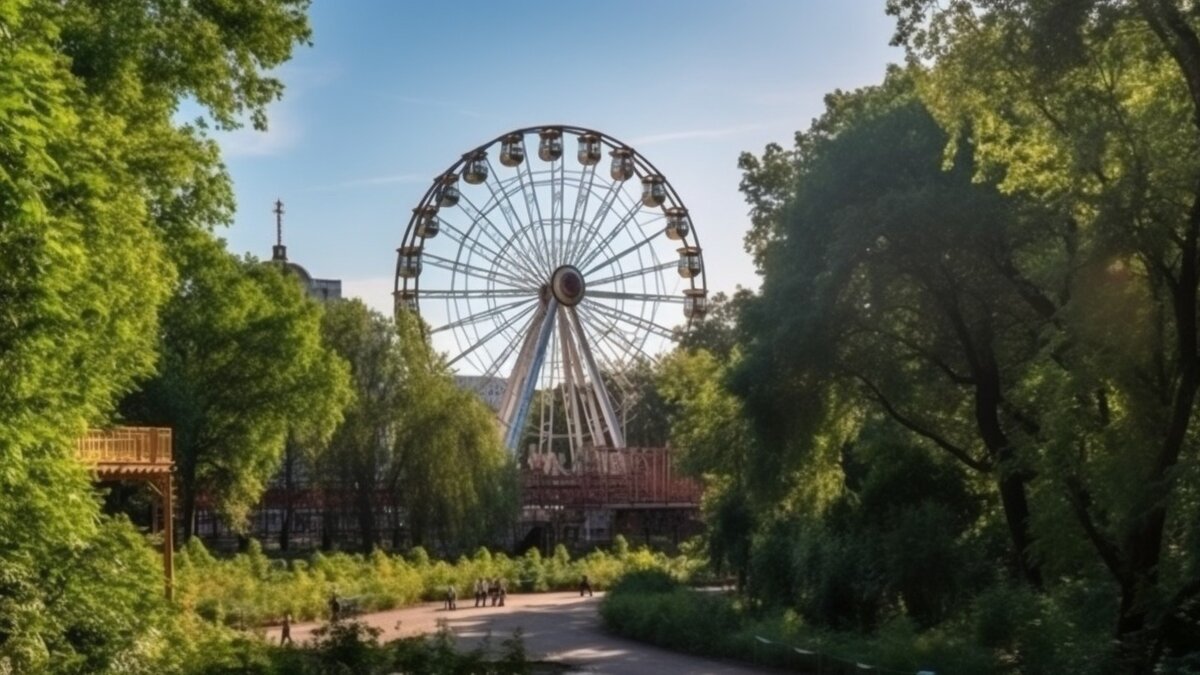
(547, 277)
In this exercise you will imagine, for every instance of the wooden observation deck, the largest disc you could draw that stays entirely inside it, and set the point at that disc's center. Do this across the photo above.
(139, 454)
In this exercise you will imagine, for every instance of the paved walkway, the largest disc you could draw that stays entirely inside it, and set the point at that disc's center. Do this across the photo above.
(558, 627)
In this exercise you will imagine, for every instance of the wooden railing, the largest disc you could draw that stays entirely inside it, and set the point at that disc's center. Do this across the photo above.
(126, 446)
(625, 478)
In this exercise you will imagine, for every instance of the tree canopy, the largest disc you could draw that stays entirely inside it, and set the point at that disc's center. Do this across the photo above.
(94, 178)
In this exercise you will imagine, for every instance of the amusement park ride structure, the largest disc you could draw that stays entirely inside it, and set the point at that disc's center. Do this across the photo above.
(553, 273)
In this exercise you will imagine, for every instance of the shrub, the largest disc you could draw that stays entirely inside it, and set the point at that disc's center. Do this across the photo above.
(251, 589)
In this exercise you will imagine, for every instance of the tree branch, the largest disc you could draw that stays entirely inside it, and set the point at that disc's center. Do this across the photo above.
(983, 466)
(1081, 501)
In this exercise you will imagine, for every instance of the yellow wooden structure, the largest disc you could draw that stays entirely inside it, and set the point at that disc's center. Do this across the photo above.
(141, 454)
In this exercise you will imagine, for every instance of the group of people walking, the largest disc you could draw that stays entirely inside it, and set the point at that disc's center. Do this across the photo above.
(496, 589)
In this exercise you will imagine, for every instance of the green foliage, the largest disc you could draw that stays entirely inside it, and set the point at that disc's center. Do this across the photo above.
(250, 589)
(452, 473)
(713, 624)
(242, 359)
(94, 174)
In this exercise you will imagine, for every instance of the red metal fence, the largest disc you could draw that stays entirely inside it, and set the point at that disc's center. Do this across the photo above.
(625, 478)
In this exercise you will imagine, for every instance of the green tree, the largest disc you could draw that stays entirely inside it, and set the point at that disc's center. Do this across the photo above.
(243, 366)
(93, 175)
(905, 268)
(1094, 106)
(359, 455)
(451, 472)
(710, 429)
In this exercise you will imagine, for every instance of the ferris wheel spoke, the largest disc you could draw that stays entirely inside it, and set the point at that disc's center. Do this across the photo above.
(638, 321)
(609, 330)
(463, 293)
(483, 315)
(474, 246)
(614, 363)
(582, 196)
(503, 201)
(603, 244)
(494, 369)
(617, 256)
(534, 208)
(492, 333)
(482, 217)
(641, 271)
(495, 277)
(640, 297)
(580, 235)
(557, 210)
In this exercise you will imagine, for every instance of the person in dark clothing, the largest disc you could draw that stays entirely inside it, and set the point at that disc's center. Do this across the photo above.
(585, 586)
(285, 630)
(335, 608)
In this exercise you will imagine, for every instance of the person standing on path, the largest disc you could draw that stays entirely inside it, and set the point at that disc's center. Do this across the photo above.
(334, 607)
(585, 586)
(503, 584)
(451, 596)
(480, 592)
(285, 630)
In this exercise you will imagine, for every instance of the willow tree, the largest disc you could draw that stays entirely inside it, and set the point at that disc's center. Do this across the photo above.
(451, 472)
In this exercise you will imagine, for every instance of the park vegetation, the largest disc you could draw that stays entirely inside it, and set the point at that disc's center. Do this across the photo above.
(954, 428)
(963, 401)
(250, 590)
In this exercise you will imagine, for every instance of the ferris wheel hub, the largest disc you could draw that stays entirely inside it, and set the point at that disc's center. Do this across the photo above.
(567, 285)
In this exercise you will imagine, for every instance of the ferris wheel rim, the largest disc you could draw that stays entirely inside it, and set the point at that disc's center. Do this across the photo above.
(410, 236)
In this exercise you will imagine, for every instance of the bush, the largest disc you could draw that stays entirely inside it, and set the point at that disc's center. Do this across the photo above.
(654, 607)
(250, 589)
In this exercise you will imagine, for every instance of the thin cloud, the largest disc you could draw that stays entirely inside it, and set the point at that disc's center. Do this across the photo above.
(373, 181)
(693, 134)
(283, 133)
(443, 105)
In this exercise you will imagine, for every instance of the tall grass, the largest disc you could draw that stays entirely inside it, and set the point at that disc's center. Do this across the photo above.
(250, 589)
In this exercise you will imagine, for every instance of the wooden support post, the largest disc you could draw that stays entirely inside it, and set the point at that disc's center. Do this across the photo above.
(168, 497)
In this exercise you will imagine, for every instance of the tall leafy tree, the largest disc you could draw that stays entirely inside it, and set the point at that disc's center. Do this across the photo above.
(360, 454)
(902, 265)
(709, 426)
(451, 472)
(242, 363)
(1094, 105)
(93, 174)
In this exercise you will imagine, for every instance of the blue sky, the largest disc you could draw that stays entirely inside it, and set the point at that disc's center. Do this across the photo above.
(391, 93)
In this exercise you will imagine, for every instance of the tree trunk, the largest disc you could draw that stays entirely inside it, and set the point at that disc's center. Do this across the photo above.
(1013, 497)
(1012, 481)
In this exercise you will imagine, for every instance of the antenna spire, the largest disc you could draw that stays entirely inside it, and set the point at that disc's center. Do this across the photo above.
(279, 251)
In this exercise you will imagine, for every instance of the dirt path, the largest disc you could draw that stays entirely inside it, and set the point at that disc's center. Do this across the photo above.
(558, 626)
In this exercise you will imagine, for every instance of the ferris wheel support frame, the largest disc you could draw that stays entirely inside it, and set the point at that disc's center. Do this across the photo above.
(516, 426)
